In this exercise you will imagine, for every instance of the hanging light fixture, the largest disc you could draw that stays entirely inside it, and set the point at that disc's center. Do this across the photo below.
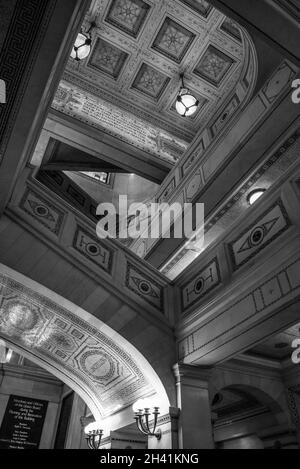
(142, 416)
(186, 103)
(83, 44)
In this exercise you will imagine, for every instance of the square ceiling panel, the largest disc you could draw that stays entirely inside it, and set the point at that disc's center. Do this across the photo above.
(128, 15)
(173, 40)
(201, 6)
(107, 58)
(231, 28)
(213, 65)
(150, 82)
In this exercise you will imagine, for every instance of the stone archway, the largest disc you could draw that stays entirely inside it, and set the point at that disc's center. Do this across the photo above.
(266, 388)
(249, 411)
(94, 360)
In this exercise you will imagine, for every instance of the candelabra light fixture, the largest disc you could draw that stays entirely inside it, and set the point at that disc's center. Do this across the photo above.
(186, 103)
(93, 435)
(144, 411)
(83, 44)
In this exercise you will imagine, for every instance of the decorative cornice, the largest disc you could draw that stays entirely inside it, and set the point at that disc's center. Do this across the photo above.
(198, 375)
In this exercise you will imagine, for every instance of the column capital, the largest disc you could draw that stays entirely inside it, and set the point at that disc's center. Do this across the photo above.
(172, 414)
(197, 375)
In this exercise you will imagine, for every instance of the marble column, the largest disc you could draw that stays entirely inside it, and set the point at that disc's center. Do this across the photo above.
(195, 427)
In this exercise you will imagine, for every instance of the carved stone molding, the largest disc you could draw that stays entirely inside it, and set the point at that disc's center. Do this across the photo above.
(85, 354)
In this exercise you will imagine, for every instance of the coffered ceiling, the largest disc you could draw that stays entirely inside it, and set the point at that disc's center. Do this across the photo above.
(129, 83)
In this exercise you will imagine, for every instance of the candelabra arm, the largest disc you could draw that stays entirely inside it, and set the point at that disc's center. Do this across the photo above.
(94, 439)
(140, 424)
(156, 414)
(143, 423)
(147, 415)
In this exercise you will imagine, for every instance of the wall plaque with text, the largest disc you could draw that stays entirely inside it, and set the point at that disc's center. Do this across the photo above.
(23, 422)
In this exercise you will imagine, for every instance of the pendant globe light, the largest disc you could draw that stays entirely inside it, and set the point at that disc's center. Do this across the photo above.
(83, 45)
(186, 103)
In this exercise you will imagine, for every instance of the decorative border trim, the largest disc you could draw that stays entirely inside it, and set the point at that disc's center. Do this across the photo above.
(219, 282)
(61, 214)
(18, 56)
(98, 243)
(170, 187)
(148, 279)
(279, 204)
(61, 312)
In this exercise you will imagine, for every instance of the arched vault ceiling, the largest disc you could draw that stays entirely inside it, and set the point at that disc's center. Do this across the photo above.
(128, 85)
(107, 371)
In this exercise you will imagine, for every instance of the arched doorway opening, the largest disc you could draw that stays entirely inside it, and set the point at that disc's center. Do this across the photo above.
(245, 417)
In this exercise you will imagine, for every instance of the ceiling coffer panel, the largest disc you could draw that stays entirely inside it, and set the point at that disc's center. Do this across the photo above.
(139, 49)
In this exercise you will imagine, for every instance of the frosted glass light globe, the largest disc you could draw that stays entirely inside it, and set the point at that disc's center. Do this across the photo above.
(186, 103)
(82, 47)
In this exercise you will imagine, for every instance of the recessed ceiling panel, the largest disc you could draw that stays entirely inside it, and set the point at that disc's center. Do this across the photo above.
(150, 82)
(132, 76)
(108, 58)
(173, 40)
(213, 65)
(201, 6)
(231, 28)
(127, 15)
